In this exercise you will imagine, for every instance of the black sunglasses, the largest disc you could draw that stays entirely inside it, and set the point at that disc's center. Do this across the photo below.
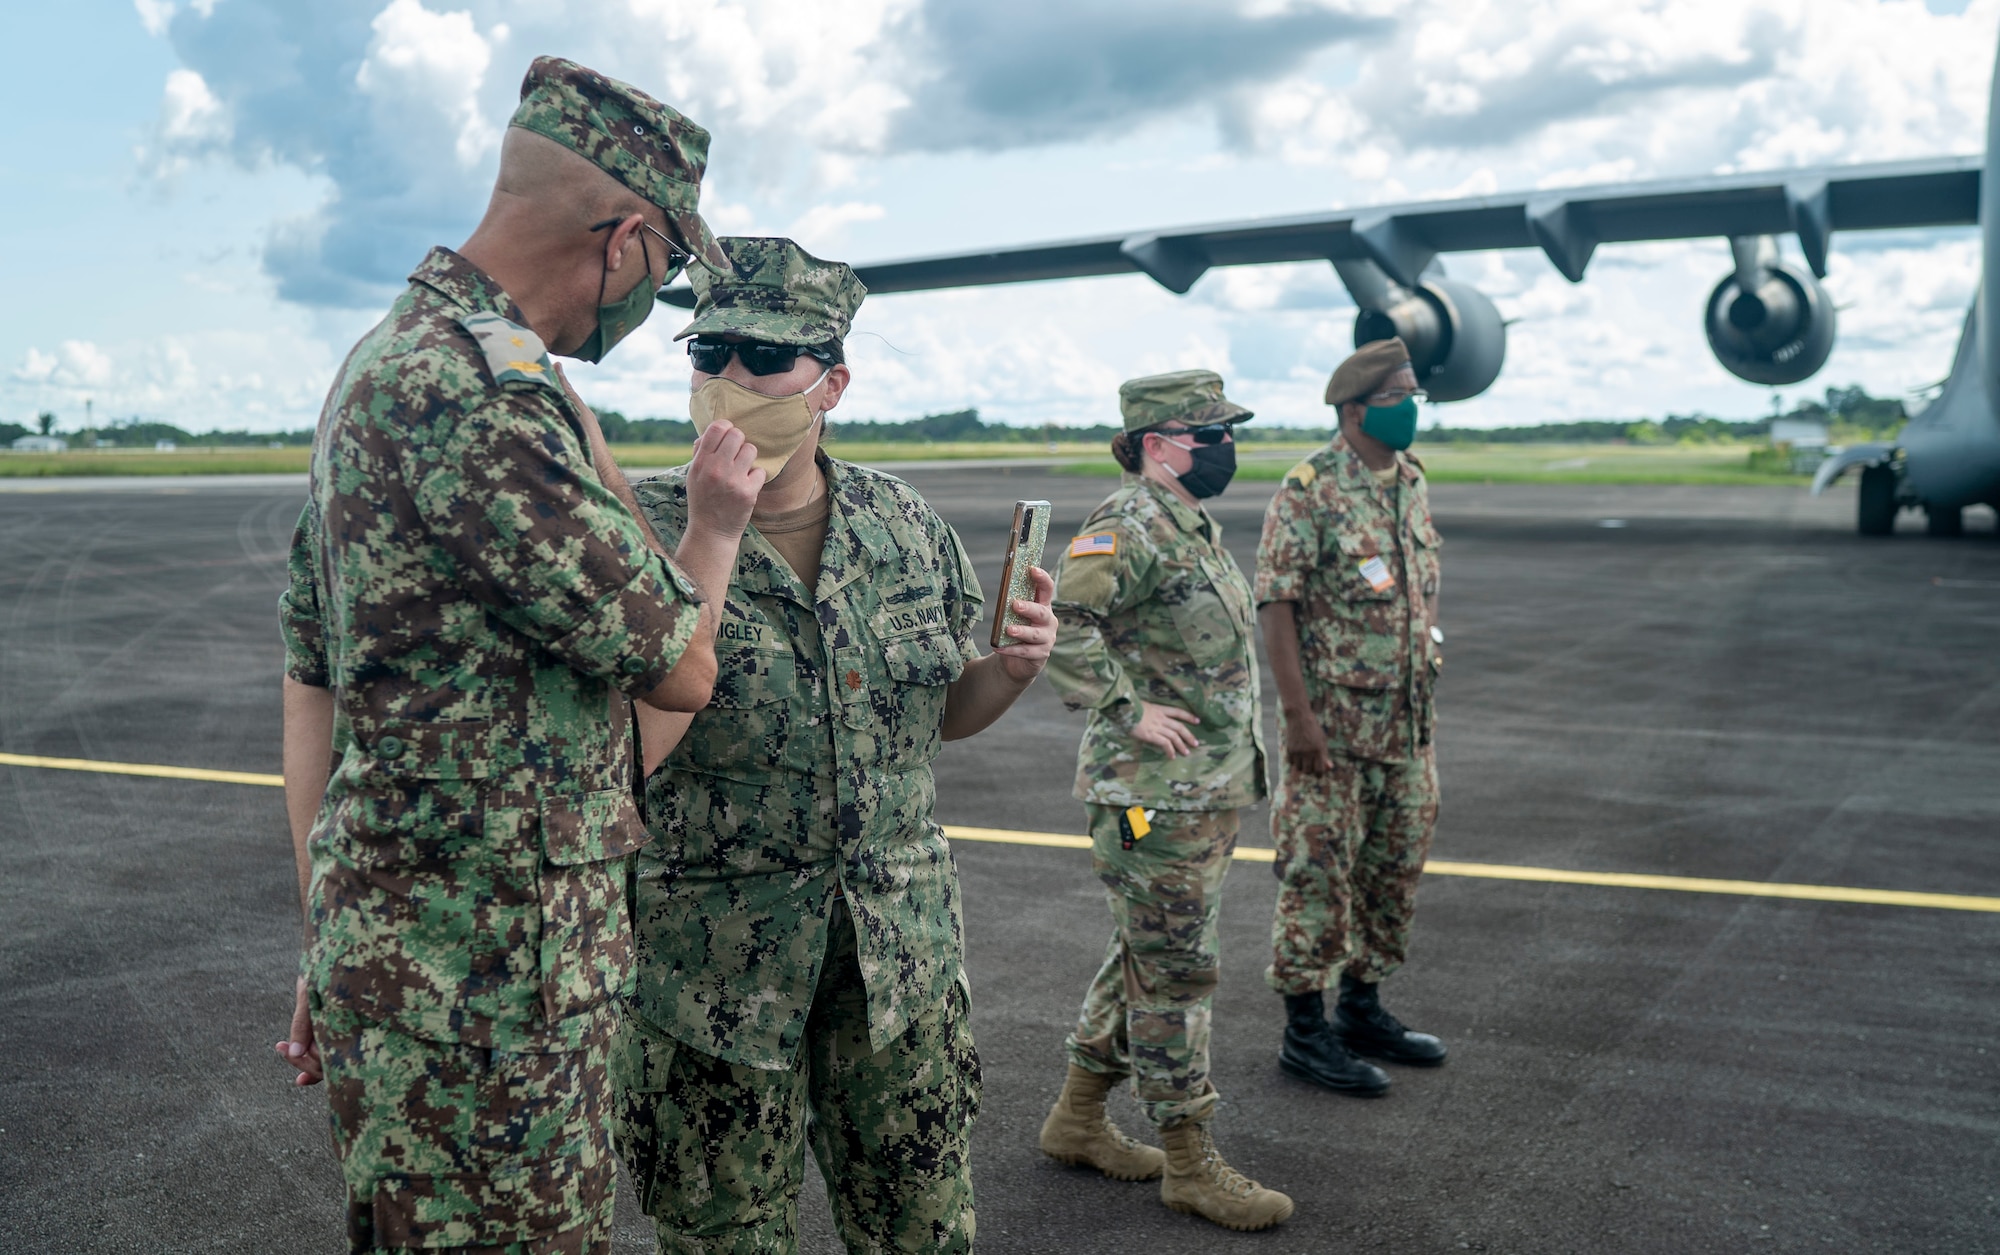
(711, 357)
(677, 257)
(1214, 433)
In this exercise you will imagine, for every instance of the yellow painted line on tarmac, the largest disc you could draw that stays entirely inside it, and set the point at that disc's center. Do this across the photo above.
(1246, 853)
(141, 769)
(1563, 876)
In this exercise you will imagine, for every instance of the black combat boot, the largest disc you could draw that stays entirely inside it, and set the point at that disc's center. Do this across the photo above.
(1364, 1027)
(1311, 1052)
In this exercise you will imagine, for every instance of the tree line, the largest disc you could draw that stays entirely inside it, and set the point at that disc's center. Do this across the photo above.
(1850, 413)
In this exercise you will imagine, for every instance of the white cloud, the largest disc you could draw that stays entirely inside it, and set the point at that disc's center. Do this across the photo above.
(36, 366)
(189, 112)
(425, 69)
(823, 225)
(859, 125)
(154, 15)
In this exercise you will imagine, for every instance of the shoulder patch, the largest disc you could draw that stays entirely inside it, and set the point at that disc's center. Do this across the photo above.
(1098, 543)
(513, 353)
(1303, 474)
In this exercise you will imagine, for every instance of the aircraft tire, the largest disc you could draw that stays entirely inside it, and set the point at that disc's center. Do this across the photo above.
(1875, 504)
(1939, 521)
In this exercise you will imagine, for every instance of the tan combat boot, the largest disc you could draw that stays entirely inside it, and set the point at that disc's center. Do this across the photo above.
(1198, 1181)
(1078, 1132)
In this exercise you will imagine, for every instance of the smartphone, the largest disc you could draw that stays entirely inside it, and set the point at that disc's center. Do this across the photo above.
(1024, 553)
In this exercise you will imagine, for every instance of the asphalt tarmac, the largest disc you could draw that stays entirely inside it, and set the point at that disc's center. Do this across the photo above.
(1699, 682)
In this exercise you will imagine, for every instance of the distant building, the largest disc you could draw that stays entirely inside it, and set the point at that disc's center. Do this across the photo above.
(163, 446)
(41, 444)
(1800, 433)
(1803, 440)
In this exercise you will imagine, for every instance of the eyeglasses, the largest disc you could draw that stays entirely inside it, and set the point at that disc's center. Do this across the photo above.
(711, 357)
(1214, 433)
(1394, 396)
(677, 257)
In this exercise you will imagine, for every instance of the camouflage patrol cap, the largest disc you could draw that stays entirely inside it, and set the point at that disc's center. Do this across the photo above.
(777, 293)
(1365, 370)
(1192, 398)
(642, 143)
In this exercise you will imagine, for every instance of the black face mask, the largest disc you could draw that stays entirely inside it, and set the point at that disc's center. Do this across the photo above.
(1214, 465)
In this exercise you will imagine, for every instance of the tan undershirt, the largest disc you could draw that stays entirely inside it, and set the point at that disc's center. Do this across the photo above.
(1386, 476)
(799, 536)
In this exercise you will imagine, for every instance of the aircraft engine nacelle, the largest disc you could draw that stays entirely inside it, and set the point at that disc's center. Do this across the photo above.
(1770, 322)
(1456, 338)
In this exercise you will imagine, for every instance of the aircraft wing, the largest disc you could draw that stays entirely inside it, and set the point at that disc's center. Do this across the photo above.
(1565, 223)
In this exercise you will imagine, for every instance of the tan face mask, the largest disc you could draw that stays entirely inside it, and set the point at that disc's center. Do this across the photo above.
(776, 425)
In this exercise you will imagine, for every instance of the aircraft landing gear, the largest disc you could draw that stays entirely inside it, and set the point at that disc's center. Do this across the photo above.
(1939, 521)
(1875, 508)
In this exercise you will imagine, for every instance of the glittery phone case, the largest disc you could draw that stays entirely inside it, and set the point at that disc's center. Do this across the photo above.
(1024, 552)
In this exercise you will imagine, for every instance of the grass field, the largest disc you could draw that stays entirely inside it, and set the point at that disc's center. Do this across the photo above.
(879, 452)
(196, 461)
(1512, 463)
(290, 460)
(1540, 464)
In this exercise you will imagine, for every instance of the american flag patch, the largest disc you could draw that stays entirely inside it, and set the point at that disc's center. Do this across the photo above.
(1105, 543)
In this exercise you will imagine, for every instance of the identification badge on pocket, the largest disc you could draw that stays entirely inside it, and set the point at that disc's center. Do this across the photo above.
(1376, 572)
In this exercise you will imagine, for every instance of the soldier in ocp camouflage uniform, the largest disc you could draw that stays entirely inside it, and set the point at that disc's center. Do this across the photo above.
(1347, 586)
(1157, 646)
(800, 947)
(470, 606)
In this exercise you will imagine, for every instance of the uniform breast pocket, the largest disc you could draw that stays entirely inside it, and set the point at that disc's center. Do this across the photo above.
(744, 724)
(1202, 617)
(902, 704)
(1367, 571)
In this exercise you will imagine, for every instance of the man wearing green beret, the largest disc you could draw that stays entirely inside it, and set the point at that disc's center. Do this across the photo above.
(1347, 590)
(1158, 646)
(473, 603)
(801, 975)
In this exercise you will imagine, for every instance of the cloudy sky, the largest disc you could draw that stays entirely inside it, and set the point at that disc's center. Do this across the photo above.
(207, 201)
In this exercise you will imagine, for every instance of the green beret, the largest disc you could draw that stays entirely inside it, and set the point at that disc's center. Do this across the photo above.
(1192, 398)
(776, 292)
(1366, 369)
(642, 143)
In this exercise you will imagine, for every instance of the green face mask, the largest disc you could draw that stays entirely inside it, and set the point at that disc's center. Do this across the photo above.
(1393, 425)
(623, 316)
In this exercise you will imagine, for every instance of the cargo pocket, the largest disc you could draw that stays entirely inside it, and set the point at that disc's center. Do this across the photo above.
(586, 941)
(964, 1053)
(527, 1204)
(643, 1121)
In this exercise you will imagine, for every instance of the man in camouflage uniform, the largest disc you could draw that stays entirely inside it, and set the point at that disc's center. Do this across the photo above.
(800, 946)
(470, 606)
(1347, 590)
(1157, 645)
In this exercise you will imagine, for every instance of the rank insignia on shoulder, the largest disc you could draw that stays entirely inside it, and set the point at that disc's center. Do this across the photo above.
(1105, 543)
(513, 353)
(1303, 474)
